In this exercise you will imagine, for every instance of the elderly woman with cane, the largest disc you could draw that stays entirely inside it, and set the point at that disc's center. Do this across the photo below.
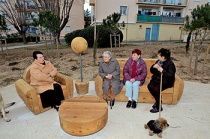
(109, 70)
(163, 77)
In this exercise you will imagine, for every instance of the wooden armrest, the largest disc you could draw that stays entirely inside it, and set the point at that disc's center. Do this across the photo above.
(98, 86)
(67, 81)
(178, 89)
(28, 94)
(24, 88)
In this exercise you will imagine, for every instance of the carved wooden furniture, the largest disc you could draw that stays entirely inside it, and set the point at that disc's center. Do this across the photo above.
(32, 100)
(83, 115)
(169, 96)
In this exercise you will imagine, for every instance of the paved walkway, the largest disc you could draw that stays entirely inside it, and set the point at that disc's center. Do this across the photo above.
(189, 119)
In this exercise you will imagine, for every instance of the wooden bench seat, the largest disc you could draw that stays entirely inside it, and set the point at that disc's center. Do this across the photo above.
(169, 96)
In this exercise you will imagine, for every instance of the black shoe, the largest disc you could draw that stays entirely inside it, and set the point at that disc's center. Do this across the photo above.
(112, 103)
(154, 105)
(133, 104)
(106, 100)
(56, 107)
(128, 104)
(155, 110)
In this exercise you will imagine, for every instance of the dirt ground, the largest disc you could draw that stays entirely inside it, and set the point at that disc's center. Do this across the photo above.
(67, 62)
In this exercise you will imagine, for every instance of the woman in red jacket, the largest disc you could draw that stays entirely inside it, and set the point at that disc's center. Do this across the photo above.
(135, 72)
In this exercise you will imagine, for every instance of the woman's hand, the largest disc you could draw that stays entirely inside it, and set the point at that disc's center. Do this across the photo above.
(132, 80)
(160, 69)
(156, 66)
(109, 76)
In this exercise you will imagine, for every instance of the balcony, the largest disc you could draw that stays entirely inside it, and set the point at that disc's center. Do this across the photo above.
(163, 2)
(160, 19)
(92, 2)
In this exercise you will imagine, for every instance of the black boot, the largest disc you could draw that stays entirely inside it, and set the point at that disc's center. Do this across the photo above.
(56, 107)
(155, 110)
(154, 105)
(112, 103)
(133, 104)
(128, 104)
(106, 100)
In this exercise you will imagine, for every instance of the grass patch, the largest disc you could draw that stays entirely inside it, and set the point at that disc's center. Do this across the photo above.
(73, 68)
(8, 81)
(70, 60)
(15, 68)
(121, 55)
(154, 56)
(13, 63)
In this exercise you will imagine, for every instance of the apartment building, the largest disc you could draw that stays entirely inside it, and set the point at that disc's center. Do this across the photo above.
(76, 20)
(147, 20)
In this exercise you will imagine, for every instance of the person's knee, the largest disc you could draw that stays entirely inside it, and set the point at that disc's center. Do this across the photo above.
(128, 84)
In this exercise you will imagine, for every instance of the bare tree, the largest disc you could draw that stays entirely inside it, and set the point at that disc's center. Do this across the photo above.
(14, 11)
(199, 25)
(61, 8)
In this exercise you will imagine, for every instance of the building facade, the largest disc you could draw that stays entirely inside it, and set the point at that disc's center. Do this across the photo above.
(147, 20)
(76, 20)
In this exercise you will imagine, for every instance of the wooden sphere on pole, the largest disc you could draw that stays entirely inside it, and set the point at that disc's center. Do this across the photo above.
(79, 45)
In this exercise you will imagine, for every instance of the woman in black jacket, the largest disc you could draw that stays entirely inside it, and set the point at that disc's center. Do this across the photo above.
(165, 66)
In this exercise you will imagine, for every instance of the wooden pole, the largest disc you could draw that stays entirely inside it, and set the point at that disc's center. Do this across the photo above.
(160, 94)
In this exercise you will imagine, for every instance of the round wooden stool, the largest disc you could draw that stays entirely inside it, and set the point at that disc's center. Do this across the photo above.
(83, 115)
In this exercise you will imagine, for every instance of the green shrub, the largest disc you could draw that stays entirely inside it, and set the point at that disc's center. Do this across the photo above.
(103, 35)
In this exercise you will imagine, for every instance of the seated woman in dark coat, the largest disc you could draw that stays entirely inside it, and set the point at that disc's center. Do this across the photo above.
(165, 66)
(109, 70)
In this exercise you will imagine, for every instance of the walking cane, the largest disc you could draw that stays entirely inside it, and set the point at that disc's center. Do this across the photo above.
(160, 94)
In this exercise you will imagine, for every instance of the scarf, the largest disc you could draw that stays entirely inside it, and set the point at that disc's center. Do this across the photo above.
(134, 69)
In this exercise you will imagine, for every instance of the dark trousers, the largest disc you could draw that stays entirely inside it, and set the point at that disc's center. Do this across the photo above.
(154, 88)
(52, 97)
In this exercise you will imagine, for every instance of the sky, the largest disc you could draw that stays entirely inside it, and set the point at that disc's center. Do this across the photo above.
(87, 5)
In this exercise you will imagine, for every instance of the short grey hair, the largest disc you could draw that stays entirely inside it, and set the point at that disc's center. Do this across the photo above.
(107, 53)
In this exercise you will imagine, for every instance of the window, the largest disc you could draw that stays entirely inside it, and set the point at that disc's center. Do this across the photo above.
(123, 10)
(208, 0)
(4, 14)
(2, 1)
(68, 29)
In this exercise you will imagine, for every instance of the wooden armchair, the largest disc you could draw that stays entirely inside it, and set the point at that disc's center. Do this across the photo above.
(32, 100)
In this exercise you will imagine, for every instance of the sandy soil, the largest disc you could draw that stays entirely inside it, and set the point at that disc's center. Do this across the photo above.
(66, 61)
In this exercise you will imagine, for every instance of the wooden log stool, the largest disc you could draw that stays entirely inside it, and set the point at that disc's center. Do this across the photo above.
(83, 115)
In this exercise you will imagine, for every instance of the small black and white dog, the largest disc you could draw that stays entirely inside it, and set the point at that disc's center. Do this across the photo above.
(156, 126)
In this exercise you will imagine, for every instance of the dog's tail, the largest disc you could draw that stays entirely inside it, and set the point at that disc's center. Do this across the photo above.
(9, 104)
(145, 126)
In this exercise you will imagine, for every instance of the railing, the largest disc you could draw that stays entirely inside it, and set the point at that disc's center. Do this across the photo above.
(160, 19)
(167, 2)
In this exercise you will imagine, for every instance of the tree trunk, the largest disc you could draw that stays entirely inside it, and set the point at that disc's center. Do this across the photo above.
(2, 47)
(24, 38)
(58, 37)
(46, 45)
(95, 45)
(191, 55)
(196, 62)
